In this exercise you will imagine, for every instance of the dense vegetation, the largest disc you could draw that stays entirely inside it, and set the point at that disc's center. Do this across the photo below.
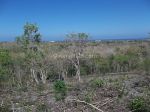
(73, 70)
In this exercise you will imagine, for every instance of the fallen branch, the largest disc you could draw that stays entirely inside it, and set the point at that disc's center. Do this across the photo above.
(101, 101)
(109, 101)
(121, 73)
(87, 104)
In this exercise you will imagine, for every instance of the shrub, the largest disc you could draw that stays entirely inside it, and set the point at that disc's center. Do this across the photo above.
(88, 97)
(146, 65)
(97, 83)
(138, 105)
(60, 90)
(5, 108)
(85, 66)
(101, 64)
(5, 64)
(84, 70)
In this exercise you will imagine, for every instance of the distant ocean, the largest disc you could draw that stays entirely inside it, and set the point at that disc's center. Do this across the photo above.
(12, 39)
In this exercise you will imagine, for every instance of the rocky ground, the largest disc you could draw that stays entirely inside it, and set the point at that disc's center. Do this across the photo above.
(112, 93)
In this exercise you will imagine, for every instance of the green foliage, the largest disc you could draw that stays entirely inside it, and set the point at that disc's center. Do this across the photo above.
(121, 59)
(78, 37)
(60, 86)
(146, 65)
(125, 62)
(85, 67)
(5, 108)
(121, 62)
(97, 83)
(102, 64)
(30, 35)
(138, 105)
(84, 70)
(5, 64)
(60, 90)
(88, 97)
(4, 57)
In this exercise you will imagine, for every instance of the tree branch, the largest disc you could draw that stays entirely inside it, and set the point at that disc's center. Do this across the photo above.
(87, 104)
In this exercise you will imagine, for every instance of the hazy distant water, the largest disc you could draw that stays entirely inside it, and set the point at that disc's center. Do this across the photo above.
(11, 39)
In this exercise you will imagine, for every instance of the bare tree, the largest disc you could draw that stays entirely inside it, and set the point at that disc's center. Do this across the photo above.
(78, 42)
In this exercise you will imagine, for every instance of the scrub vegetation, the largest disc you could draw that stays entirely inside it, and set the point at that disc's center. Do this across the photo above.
(76, 75)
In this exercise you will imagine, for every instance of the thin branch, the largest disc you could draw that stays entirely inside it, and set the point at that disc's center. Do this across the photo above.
(109, 101)
(101, 101)
(87, 104)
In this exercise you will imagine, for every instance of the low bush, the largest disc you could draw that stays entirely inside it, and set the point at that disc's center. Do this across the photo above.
(5, 65)
(97, 83)
(88, 97)
(5, 108)
(60, 90)
(138, 105)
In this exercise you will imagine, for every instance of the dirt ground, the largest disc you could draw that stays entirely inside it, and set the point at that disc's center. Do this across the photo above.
(113, 96)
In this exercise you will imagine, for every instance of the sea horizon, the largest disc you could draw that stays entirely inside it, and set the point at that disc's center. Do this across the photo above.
(90, 39)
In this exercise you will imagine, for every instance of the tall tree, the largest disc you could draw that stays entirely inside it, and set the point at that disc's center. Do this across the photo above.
(34, 57)
(78, 42)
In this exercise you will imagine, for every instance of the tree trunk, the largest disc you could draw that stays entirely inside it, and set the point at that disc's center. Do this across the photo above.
(78, 69)
(43, 77)
(34, 76)
(64, 74)
(78, 74)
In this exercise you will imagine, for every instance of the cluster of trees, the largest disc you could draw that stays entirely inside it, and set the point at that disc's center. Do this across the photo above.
(32, 63)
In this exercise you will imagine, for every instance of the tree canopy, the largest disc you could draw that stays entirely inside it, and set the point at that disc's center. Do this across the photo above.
(30, 35)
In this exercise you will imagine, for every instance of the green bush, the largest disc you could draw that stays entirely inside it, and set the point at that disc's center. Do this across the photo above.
(85, 66)
(60, 90)
(5, 108)
(5, 65)
(4, 57)
(84, 70)
(138, 105)
(88, 97)
(101, 64)
(146, 65)
(97, 83)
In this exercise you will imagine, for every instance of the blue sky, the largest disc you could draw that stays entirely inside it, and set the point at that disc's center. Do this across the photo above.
(100, 18)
